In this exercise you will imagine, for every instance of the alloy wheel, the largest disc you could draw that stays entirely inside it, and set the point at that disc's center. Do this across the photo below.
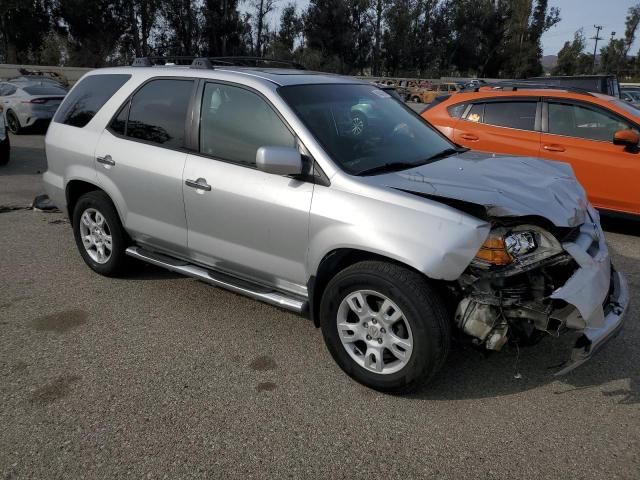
(374, 332)
(95, 234)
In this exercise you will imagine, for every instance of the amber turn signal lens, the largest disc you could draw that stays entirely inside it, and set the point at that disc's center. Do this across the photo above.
(493, 251)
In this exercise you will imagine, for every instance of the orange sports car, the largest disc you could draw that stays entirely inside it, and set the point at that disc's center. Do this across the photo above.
(597, 134)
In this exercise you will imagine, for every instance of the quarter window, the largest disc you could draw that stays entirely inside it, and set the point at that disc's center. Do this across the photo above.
(456, 111)
(580, 121)
(475, 113)
(84, 101)
(519, 115)
(235, 123)
(158, 112)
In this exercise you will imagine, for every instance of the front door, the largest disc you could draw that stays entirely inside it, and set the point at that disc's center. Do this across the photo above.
(244, 221)
(582, 135)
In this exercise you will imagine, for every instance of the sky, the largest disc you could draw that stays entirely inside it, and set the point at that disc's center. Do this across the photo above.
(575, 14)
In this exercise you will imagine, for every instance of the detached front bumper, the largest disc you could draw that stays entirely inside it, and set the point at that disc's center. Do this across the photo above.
(594, 338)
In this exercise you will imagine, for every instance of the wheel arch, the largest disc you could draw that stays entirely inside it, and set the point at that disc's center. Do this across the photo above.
(337, 260)
(77, 187)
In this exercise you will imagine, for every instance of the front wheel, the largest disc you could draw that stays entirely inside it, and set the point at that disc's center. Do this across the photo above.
(385, 326)
(99, 235)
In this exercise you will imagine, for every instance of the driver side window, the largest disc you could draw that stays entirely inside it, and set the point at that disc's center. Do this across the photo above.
(235, 123)
(572, 120)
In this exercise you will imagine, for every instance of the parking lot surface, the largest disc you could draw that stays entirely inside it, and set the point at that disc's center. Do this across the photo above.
(160, 376)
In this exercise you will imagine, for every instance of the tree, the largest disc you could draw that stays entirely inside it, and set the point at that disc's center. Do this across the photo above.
(262, 8)
(290, 28)
(631, 26)
(327, 30)
(23, 27)
(181, 27)
(527, 22)
(141, 17)
(571, 59)
(93, 29)
(224, 30)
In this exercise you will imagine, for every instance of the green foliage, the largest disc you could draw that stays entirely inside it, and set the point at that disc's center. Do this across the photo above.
(572, 60)
(23, 27)
(415, 38)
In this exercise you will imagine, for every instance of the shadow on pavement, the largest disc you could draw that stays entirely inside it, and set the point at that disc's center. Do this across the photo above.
(619, 225)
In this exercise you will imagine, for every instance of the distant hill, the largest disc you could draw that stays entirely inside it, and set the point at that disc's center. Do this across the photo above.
(549, 62)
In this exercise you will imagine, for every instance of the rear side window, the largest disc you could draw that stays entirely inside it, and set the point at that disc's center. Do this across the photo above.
(45, 90)
(456, 111)
(235, 123)
(475, 113)
(84, 101)
(519, 115)
(157, 113)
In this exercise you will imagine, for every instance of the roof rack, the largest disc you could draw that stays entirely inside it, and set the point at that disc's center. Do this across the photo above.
(527, 85)
(212, 62)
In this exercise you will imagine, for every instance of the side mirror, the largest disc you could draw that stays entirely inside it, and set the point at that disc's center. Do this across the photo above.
(626, 137)
(279, 160)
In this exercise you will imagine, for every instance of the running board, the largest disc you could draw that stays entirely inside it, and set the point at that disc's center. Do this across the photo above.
(219, 279)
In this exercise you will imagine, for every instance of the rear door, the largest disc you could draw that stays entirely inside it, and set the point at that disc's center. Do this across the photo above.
(244, 221)
(581, 134)
(509, 126)
(140, 158)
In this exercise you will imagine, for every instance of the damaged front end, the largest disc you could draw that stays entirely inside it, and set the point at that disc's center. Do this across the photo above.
(529, 281)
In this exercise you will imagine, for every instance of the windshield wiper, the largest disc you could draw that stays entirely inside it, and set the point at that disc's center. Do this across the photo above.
(395, 166)
(447, 152)
(388, 167)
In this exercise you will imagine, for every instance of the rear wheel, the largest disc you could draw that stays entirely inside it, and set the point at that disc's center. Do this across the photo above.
(99, 235)
(13, 123)
(415, 99)
(385, 326)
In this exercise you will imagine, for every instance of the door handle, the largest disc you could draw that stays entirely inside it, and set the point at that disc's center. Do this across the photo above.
(199, 184)
(553, 148)
(107, 161)
(470, 137)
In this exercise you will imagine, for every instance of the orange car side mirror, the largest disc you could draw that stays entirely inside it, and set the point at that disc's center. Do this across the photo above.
(626, 137)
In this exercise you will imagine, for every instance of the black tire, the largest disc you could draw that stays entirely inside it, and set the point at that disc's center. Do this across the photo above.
(118, 261)
(423, 309)
(415, 99)
(5, 150)
(13, 123)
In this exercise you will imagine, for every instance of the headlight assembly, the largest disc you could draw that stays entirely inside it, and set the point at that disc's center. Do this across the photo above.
(524, 245)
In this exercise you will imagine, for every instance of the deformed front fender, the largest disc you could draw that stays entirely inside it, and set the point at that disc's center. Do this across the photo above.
(433, 238)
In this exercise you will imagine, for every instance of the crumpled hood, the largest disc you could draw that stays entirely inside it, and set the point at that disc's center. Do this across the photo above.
(505, 185)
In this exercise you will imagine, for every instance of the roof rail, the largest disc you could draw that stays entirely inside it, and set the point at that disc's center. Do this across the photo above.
(526, 85)
(212, 62)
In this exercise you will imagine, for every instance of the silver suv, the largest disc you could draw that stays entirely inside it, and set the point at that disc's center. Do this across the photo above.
(326, 196)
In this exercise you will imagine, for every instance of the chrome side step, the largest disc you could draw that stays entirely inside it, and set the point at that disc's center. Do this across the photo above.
(220, 279)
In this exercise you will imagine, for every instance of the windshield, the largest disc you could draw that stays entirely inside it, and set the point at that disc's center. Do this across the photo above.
(628, 108)
(364, 128)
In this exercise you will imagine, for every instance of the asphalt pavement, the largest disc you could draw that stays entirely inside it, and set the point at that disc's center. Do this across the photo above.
(160, 376)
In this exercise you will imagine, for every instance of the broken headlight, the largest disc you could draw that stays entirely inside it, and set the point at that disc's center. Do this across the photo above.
(520, 243)
(525, 244)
